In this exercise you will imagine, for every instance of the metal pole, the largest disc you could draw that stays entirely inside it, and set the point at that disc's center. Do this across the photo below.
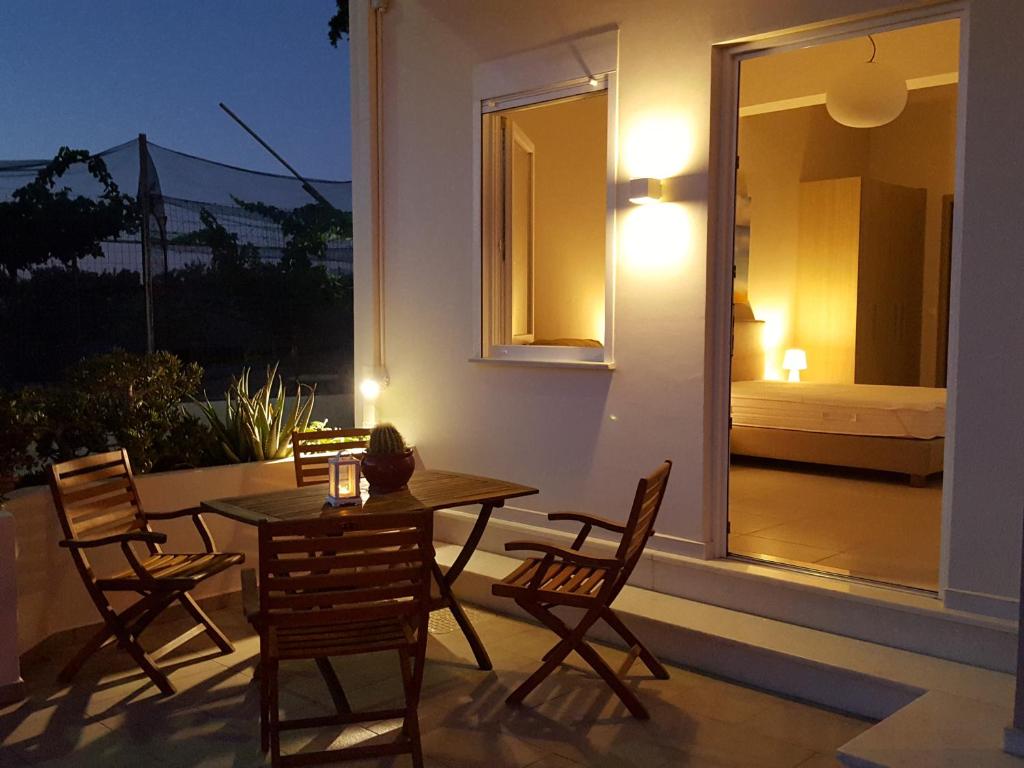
(309, 188)
(147, 267)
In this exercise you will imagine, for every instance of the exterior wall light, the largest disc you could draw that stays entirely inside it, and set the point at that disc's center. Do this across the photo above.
(370, 389)
(343, 475)
(794, 361)
(643, 191)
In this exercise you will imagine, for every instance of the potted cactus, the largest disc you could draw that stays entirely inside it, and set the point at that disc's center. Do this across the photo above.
(388, 463)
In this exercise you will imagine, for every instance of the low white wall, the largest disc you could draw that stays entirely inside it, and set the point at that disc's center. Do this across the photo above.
(10, 671)
(50, 593)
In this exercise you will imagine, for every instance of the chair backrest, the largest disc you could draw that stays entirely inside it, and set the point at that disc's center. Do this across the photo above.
(313, 449)
(640, 526)
(346, 568)
(96, 496)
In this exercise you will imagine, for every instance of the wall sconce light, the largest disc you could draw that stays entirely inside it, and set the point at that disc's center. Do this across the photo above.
(794, 361)
(643, 191)
(343, 475)
(370, 389)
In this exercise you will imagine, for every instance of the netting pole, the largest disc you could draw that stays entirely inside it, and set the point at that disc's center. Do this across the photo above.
(147, 266)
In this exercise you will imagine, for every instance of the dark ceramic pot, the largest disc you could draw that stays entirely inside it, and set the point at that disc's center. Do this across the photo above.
(387, 472)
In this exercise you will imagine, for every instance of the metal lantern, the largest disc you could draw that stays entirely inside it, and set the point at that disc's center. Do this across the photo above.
(343, 474)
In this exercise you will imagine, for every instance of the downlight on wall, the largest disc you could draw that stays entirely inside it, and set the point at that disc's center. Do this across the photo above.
(867, 95)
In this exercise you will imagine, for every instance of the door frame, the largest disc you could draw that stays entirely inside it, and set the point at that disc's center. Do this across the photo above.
(726, 59)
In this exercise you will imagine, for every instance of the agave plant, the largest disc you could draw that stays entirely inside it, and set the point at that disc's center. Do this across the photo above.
(256, 426)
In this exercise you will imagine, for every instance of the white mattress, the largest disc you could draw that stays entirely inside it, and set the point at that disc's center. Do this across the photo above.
(844, 409)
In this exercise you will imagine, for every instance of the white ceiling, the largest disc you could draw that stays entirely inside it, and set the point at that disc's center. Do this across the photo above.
(926, 55)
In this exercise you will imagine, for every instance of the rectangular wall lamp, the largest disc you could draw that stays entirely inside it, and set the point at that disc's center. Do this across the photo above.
(643, 191)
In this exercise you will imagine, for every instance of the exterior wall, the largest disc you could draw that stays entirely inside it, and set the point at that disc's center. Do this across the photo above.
(583, 436)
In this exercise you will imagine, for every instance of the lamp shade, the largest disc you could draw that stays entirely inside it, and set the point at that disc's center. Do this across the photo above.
(866, 96)
(794, 360)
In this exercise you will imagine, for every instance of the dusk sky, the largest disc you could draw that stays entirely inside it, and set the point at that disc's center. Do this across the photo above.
(93, 75)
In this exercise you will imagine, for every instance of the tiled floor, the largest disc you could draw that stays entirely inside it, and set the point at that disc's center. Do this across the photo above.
(866, 524)
(116, 719)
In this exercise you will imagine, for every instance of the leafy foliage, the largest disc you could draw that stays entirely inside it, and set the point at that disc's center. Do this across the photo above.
(43, 222)
(116, 400)
(307, 230)
(337, 26)
(258, 426)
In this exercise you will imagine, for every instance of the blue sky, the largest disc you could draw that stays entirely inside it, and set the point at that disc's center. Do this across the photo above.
(95, 74)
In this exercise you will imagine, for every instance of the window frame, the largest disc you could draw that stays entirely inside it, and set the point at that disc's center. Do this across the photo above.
(538, 76)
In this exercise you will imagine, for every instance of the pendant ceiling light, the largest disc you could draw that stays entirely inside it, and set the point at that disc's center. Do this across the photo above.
(867, 95)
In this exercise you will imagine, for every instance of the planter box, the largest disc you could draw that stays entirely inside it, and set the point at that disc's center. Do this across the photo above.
(50, 594)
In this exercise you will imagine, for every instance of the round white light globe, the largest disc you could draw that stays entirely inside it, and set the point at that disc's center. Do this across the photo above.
(369, 389)
(867, 96)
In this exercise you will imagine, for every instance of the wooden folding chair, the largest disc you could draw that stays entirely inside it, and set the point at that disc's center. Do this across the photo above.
(350, 583)
(312, 450)
(98, 505)
(568, 577)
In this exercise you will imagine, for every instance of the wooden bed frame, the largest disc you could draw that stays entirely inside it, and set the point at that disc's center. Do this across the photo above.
(912, 456)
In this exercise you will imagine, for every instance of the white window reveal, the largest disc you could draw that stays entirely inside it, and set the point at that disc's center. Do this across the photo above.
(546, 159)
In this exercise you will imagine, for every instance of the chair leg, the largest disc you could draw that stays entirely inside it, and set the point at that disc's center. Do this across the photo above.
(215, 633)
(650, 660)
(334, 686)
(131, 644)
(264, 709)
(593, 658)
(483, 661)
(411, 724)
(570, 639)
(270, 673)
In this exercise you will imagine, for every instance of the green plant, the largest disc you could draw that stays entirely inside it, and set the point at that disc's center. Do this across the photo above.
(258, 426)
(385, 440)
(16, 437)
(43, 222)
(122, 400)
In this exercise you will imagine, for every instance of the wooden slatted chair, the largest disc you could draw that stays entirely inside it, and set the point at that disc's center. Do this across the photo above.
(370, 592)
(568, 577)
(98, 505)
(312, 449)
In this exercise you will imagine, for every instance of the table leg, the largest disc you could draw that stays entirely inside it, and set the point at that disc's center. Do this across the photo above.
(334, 686)
(445, 581)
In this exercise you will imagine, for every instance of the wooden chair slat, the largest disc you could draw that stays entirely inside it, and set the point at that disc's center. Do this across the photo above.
(91, 463)
(364, 578)
(113, 472)
(76, 498)
(119, 521)
(312, 449)
(353, 560)
(327, 599)
(115, 497)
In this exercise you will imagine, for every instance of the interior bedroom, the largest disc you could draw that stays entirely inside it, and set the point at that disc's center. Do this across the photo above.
(845, 179)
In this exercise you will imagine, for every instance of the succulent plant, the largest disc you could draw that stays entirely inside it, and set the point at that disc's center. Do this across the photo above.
(258, 426)
(385, 440)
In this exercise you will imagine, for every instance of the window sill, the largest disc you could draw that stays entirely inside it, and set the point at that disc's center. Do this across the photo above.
(591, 365)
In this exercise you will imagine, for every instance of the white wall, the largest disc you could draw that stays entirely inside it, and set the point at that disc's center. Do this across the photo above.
(584, 436)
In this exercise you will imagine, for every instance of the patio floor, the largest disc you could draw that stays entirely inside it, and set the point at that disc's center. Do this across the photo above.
(111, 717)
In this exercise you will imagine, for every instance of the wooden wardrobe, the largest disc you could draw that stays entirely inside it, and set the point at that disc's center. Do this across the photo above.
(858, 283)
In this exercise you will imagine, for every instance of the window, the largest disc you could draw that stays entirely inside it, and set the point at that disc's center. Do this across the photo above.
(547, 186)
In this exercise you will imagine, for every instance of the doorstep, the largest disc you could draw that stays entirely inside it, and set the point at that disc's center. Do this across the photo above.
(913, 695)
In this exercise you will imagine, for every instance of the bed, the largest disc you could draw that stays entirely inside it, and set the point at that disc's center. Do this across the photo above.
(867, 426)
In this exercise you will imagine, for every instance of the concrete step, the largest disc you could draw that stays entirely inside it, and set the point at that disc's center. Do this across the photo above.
(863, 678)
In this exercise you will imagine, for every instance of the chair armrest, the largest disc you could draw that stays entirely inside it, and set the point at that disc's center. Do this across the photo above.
(149, 537)
(569, 555)
(250, 595)
(197, 519)
(597, 522)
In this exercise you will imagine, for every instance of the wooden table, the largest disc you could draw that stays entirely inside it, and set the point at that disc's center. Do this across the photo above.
(428, 490)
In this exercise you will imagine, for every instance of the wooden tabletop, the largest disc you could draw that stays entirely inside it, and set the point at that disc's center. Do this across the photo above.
(428, 490)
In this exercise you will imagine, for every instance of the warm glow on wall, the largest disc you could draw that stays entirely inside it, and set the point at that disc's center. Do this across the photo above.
(776, 335)
(597, 320)
(656, 238)
(658, 147)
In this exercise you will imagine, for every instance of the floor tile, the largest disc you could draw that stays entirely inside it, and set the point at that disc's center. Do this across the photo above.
(112, 716)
